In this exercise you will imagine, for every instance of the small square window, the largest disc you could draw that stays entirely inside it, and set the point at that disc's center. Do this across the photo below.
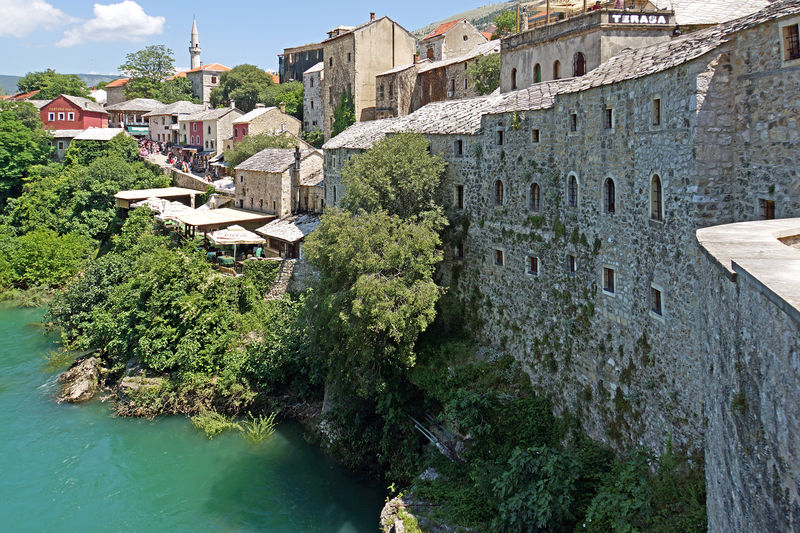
(70, 116)
(61, 116)
(460, 196)
(656, 301)
(458, 147)
(791, 42)
(60, 145)
(213, 79)
(766, 209)
(608, 280)
(498, 258)
(535, 136)
(573, 122)
(572, 264)
(533, 265)
(655, 112)
(608, 118)
(51, 116)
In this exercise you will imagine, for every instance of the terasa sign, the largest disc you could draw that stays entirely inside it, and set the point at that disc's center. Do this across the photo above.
(638, 19)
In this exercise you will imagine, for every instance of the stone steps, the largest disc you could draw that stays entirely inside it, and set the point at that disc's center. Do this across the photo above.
(282, 281)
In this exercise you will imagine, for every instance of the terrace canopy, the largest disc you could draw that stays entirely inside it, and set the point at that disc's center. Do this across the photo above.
(213, 219)
(126, 198)
(235, 235)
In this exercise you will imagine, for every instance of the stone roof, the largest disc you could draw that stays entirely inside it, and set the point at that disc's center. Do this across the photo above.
(39, 103)
(137, 104)
(362, 135)
(99, 134)
(313, 180)
(401, 68)
(319, 67)
(291, 228)
(273, 160)
(255, 113)
(84, 103)
(483, 49)
(691, 12)
(209, 114)
(65, 134)
(181, 107)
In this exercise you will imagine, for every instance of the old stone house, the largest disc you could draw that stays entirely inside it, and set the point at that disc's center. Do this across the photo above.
(578, 201)
(208, 129)
(451, 39)
(273, 181)
(313, 112)
(294, 62)
(353, 57)
(115, 91)
(163, 122)
(272, 120)
(131, 115)
(204, 78)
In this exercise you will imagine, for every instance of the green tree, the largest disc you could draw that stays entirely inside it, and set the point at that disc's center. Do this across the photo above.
(315, 138)
(398, 174)
(250, 145)
(43, 257)
(290, 94)
(344, 114)
(51, 84)
(148, 69)
(244, 84)
(84, 152)
(484, 73)
(506, 24)
(175, 90)
(21, 147)
(375, 295)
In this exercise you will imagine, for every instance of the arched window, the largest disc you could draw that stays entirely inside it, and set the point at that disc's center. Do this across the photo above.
(334, 194)
(656, 198)
(537, 73)
(556, 70)
(498, 192)
(513, 79)
(572, 191)
(579, 64)
(535, 202)
(609, 196)
(430, 52)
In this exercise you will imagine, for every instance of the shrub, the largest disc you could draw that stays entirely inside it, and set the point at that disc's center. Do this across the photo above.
(212, 423)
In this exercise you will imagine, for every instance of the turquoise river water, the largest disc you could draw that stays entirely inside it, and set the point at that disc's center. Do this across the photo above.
(75, 468)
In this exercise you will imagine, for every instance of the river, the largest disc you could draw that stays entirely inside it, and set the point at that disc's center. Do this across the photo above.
(77, 468)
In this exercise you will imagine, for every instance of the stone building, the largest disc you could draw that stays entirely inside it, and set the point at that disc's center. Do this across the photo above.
(115, 91)
(451, 39)
(353, 57)
(208, 129)
(273, 120)
(407, 88)
(293, 62)
(131, 115)
(313, 114)
(204, 78)
(163, 121)
(267, 182)
(578, 201)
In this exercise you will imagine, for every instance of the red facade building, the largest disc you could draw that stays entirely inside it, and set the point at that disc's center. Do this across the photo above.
(73, 113)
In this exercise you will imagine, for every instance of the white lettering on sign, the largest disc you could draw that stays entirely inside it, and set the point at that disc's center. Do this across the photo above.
(638, 19)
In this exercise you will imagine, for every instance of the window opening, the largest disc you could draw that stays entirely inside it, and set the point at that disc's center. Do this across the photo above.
(791, 42)
(537, 73)
(498, 258)
(655, 112)
(535, 200)
(460, 196)
(535, 136)
(608, 118)
(498, 192)
(572, 265)
(766, 209)
(556, 70)
(572, 192)
(608, 280)
(579, 64)
(609, 196)
(656, 202)
(533, 265)
(656, 303)
(513, 79)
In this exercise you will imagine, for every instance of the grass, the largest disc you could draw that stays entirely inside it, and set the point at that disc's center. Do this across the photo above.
(257, 429)
(213, 423)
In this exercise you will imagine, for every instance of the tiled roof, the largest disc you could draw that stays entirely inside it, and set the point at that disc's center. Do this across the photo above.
(217, 67)
(117, 83)
(487, 34)
(255, 113)
(483, 49)
(364, 25)
(274, 160)
(275, 78)
(442, 29)
(291, 228)
(362, 135)
(181, 107)
(99, 134)
(691, 12)
(178, 75)
(84, 103)
(319, 67)
(136, 104)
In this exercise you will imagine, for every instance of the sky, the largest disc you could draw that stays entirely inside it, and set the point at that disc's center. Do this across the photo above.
(80, 36)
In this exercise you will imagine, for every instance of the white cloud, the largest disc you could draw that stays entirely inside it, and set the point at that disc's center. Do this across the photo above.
(18, 18)
(125, 21)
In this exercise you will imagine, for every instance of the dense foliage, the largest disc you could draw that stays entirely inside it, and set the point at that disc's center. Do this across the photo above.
(505, 24)
(148, 69)
(315, 138)
(252, 144)
(344, 114)
(23, 144)
(50, 84)
(176, 89)
(484, 73)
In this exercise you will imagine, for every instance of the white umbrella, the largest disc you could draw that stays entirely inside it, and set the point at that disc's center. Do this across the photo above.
(235, 235)
(172, 209)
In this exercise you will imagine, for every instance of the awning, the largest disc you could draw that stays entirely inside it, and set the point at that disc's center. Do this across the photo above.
(216, 158)
(138, 130)
(235, 235)
(206, 153)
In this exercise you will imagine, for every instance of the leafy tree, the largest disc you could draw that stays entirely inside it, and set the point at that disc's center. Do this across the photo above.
(51, 84)
(344, 114)
(244, 84)
(102, 85)
(315, 138)
(290, 94)
(484, 73)
(398, 174)
(84, 152)
(21, 147)
(25, 112)
(148, 69)
(175, 90)
(43, 257)
(506, 24)
(375, 295)
(250, 145)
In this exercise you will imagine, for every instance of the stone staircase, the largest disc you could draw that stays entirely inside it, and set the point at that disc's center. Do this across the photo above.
(282, 281)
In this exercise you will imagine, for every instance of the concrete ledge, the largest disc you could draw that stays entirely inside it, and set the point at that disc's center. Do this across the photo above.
(752, 250)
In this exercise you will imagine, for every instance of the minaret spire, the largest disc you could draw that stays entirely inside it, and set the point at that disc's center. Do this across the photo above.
(194, 48)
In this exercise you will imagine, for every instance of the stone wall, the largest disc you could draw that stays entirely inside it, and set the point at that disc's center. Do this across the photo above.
(313, 113)
(273, 193)
(340, 75)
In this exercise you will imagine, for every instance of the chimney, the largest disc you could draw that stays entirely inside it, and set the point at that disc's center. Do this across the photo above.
(283, 107)
(260, 106)
(372, 17)
(233, 104)
(297, 158)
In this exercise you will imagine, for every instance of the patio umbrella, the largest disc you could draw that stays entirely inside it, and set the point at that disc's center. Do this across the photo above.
(235, 235)
(171, 211)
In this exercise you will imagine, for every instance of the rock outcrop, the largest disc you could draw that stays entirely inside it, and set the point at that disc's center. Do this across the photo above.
(81, 381)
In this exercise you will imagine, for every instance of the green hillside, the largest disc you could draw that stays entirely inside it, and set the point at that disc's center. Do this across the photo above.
(8, 84)
(480, 17)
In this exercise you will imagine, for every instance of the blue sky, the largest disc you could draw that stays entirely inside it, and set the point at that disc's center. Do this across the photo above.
(80, 36)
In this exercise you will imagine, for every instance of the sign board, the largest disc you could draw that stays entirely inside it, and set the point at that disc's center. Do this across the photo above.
(638, 18)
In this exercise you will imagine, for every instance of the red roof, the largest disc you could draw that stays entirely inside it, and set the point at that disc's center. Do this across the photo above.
(213, 66)
(178, 75)
(443, 28)
(19, 96)
(487, 34)
(117, 83)
(275, 77)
